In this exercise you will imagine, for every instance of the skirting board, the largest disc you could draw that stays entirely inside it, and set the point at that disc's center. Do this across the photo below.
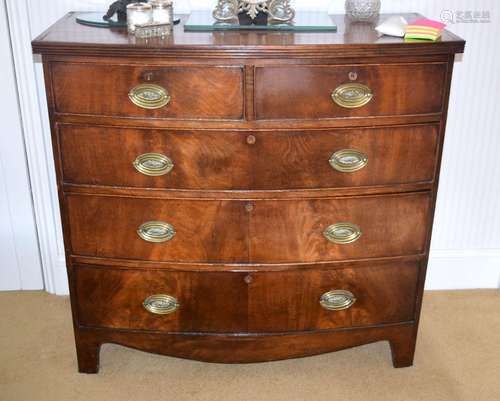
(463, 269)
(59, 277)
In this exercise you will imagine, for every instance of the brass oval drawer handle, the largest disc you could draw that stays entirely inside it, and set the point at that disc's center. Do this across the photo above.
(352, 95)
(342, 233)
(149, 96)
(337, 300)
(348, 160)
(153, 164)
(156, 231)
(161, 304)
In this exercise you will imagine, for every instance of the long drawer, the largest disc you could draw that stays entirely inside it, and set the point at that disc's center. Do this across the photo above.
(263, 231)
(246, 302)
(152, 91)
(330, 91)
(265, 160)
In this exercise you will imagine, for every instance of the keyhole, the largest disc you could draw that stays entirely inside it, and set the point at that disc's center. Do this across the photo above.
(148, 76)
(353, 76)
(251, 139)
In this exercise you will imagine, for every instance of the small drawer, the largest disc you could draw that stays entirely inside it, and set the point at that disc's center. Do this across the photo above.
(312, 92)
(161, 300)
(171, 159)
(151, 91)
(349, 228)
(239, 302)
(209, 231)
(264, 160)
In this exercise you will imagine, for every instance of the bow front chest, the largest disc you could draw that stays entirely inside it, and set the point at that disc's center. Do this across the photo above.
(246, 197)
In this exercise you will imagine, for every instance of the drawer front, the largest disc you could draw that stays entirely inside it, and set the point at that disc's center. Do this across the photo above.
(114, 156)
(183, 231)
(184, 92)
(264, 231)
(330, 299)
(245, 302)
(310, 92)
(316, 230)
(220, 160)
(115, 298)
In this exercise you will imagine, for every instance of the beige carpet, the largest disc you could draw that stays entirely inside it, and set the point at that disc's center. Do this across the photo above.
(458, 358)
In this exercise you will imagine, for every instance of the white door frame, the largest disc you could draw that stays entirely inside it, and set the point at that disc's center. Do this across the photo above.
(20, 265)
(38, 148)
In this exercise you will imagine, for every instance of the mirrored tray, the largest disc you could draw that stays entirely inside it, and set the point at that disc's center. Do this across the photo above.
(203, 21)
(95, 19)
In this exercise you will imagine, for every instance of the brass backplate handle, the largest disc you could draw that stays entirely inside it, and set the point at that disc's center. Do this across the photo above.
(342, 233)
(149, 96)
(153, 164)
(156, 231)
(352, 95)
(161, 304)
(348, 160)
(336, 300)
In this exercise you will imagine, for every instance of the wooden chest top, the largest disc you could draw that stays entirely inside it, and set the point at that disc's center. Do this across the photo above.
(351, 40)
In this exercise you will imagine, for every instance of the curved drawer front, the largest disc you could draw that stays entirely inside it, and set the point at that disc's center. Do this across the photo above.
(245, 302)
(219, 160)
(263, 231)
(208, 92)
(132, 299)
(309, 92)
(158, 230)
(295, 300)
(314, 230)
(199, 160)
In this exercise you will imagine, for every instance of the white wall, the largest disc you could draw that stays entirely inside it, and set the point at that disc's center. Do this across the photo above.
(466, 240)
(20, 266)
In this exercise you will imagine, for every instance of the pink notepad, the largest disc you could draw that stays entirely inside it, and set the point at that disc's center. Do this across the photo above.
(428, 23)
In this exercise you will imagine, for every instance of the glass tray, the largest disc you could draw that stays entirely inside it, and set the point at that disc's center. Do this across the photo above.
(95, 19)
(203, 21)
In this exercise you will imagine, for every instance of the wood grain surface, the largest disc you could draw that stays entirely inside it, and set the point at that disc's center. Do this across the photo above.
(243, 302)
(264, 231)
(209, 92)
(295, 92)
(247, 160)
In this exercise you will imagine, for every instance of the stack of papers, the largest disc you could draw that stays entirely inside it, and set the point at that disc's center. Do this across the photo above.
(424, 28)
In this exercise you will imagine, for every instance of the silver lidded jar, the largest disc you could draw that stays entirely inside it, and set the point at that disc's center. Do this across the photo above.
(138, 14)
(362, 10)
(163, 11)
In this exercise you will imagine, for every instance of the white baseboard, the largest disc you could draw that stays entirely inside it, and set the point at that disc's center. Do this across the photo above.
(463, 269)
(60, 276)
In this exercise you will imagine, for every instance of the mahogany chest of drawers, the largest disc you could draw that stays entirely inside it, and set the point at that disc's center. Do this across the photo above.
(246, 197)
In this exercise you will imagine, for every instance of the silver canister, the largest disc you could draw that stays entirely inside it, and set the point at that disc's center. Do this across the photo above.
(138, 14)
(163, 11)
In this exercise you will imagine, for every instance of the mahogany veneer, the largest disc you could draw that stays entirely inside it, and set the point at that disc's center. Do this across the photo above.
(276, 160)
(248, 247)
(303, 92)
(214, 92)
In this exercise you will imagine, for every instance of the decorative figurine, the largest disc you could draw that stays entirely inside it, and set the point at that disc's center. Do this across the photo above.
(254, 11)
(119, 8)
